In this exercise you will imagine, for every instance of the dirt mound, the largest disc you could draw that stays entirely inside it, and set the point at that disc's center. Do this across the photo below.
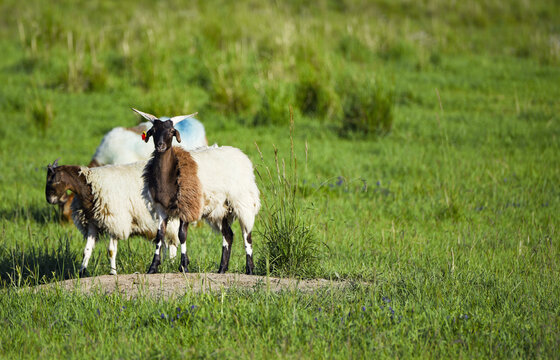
(177, 284)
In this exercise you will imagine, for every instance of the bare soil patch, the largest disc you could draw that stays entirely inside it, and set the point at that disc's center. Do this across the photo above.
(177, 284)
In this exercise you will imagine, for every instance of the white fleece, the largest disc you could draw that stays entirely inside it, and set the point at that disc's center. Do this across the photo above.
(119, 207)
(228, 185)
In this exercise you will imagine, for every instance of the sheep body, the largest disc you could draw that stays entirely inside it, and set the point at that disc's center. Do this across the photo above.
(118, 209)
(212, 183)
(228, 185)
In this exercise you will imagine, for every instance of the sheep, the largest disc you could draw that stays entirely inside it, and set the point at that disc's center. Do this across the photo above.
(108, 200)
(216, 184)
(124, 145)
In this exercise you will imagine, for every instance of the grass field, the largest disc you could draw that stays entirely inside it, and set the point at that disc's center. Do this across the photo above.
(427, 141)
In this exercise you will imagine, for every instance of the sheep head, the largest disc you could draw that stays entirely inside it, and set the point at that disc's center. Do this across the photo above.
(163, 130)
(55, 190)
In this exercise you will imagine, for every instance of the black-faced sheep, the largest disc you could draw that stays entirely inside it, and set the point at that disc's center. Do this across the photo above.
(214, 183)
(108, 199)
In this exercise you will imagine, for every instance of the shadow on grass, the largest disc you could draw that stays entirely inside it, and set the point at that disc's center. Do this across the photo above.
(40, 214)
(37, 265)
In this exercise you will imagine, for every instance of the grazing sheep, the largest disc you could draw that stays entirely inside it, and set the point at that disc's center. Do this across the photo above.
(109, 200)
(214, 183)
(125, 145)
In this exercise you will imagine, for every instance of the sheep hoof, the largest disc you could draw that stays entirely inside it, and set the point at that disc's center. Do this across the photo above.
(154, 266)
(222, 270)
(113, 272)
(184, 264)
(83, 273)
(249, 265)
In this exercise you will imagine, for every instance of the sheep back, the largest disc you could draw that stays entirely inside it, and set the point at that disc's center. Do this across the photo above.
(123, 146)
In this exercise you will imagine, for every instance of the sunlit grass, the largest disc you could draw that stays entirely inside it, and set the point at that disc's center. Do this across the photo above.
(446, 218)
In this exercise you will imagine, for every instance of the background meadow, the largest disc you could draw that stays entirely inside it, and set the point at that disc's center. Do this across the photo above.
(422, 160)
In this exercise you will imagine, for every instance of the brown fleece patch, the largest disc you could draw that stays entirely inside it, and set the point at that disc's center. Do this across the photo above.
(65, 210)
(94, 163)
(173, 183)
(77, 183)
(64, 178)
(65, 206)
(189, 195)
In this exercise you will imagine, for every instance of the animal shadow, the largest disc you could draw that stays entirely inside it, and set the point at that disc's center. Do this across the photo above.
(40, 214)
(37, 265)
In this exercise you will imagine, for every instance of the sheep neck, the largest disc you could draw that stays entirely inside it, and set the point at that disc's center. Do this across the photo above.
(164, 185)
(76, 182)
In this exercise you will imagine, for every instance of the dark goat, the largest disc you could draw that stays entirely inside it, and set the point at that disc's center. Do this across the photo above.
(216, 184)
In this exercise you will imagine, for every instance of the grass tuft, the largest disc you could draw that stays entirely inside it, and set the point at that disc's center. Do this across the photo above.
(367, 107)
(42, 113)
(290, 246)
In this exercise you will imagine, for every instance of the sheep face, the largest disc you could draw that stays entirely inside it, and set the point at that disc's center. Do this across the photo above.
(55, 190)
(163, 132)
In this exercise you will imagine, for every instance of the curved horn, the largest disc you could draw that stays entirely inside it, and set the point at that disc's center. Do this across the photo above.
(178, 119)
(146, 116)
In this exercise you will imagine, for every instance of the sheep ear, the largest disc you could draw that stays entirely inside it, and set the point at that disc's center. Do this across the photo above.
(178, 119)
(177, 135)
(148, 134)
(146, 116)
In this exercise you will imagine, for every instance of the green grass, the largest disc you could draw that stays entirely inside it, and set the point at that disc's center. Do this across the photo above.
(449, 212)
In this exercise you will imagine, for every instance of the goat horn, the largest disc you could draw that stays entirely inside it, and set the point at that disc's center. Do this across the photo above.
(146, 116)
(177, 119)
(52, 166)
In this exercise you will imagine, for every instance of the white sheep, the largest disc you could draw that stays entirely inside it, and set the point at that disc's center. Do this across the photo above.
(213, 183)
(108, 199)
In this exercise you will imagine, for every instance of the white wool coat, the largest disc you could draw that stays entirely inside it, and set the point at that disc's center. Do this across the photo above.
(228, 185)
(120, 210)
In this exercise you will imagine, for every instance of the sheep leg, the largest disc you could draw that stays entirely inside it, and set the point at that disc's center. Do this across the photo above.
(183, 228)
(90, 244)
(156, 261)
(112, 252)
(227, 240)
(171, 250)
(248, 252)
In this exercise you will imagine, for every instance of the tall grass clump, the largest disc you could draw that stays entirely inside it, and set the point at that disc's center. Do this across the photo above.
(314, 95)
(275, 101)
(289, 244)
(367, 107)
(42, 113)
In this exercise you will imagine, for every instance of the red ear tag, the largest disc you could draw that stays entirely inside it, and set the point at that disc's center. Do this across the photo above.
(144, 135)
